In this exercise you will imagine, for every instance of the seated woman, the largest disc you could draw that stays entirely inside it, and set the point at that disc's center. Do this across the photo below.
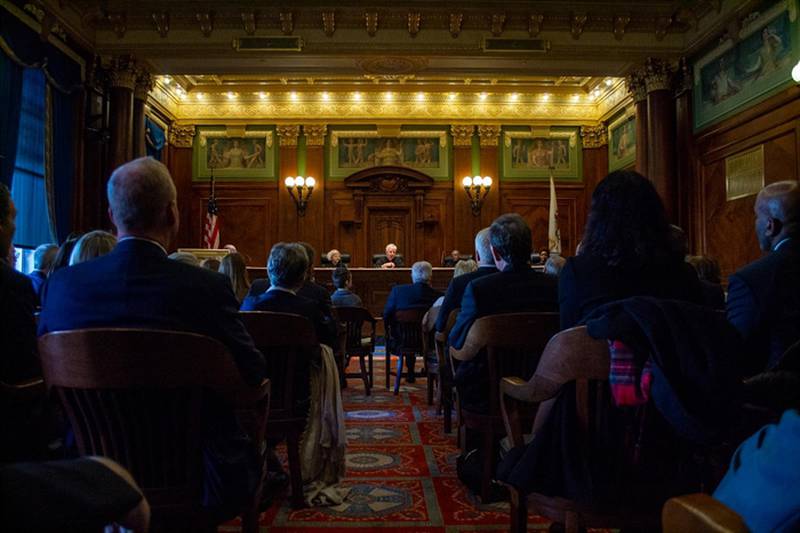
(233, 266)
(93, 244)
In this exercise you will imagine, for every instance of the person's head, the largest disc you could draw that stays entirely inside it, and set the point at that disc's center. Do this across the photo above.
(142, 201)
(8, 217)
(510, 239)
(627, 224)
(93, 244)
(777, 212)
(43, 256)
(483, 248)
(64, 253)
(544, 253)
(334, 256)
(391, 251)
(287, 265)
(706, 267)
(421, 272)
(12, 256)
(210, 263)
(455, 254)
(186, 258)
(342, 278)
(554, 264)
(311, 253)
(231, 248)
(234, 266)
(465, 266)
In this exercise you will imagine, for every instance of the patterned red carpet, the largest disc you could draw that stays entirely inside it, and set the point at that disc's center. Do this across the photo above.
(400, 470)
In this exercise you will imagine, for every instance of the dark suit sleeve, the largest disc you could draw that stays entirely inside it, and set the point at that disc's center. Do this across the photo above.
(569, 307)
(448, 304)
(17, 306)
(742, 306)
(398, 261)
(390, 307)
(467, 315)
(228, 328)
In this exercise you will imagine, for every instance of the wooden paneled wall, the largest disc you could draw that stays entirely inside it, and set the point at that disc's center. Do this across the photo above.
(724, 229)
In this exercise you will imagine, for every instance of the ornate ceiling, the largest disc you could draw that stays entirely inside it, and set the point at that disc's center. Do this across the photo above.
(414, 60)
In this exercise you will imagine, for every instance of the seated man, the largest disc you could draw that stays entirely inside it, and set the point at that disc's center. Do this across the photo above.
(137, 286)
(391, 259)
(764, 297)
(452, 259)
(42, 261)
(516, 288)
(417, 295)
(455, 291)
(343, 296)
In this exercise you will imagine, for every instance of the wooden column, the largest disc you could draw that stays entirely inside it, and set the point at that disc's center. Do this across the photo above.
(490, 157)
(636, 87)
(122, 77)
(595, 168)
(462, 166)
(288, 221)
(661, 132)
(144, 84)
(684, 145)
(180, 138)
(312, 229)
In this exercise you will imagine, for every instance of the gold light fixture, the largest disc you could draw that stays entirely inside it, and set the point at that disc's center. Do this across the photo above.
(477, 188)
(300, 190)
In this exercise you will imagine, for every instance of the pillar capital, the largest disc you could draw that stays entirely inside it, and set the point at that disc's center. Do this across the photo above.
(594, 136)
(287, 134)
(636, 85)
(181, 135)
(462, 134)
(658, 75)
(144, 84)
(489, 134)
(315, 134)
(122, 72)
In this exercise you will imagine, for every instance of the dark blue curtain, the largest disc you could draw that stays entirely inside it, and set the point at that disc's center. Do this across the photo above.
(63, 161)
(154, 138)
(10, 96)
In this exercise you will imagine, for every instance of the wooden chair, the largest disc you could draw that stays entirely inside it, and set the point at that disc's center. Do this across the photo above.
(570, 356)
(432, 367)
(288, 343)
(700, 513)
(136, 396)
(513, 344)
(353, 343)
(405, 331)
(445, 365)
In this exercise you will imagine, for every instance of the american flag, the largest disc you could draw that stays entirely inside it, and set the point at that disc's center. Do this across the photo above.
(211, 228)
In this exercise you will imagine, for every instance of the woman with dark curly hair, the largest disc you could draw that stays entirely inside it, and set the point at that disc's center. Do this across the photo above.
(626, 251)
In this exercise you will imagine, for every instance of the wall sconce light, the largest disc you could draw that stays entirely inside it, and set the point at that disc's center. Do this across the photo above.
(796, 73)
(300, 190)
(476, 188)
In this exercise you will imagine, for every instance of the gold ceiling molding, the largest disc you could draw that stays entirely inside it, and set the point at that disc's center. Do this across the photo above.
(393, 65)
(534, 132)
(315, 134)
(367, 134)
(287, 134)
(462, 134)
(181, 135)
(594, 136)
(489, 134)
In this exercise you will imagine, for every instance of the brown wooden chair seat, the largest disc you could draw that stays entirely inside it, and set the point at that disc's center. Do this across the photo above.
(353, 343)
(570, 356)
(405, 335)
(136, 396)
(700, 513)
(289, 345)
(432, 367)
(445, 366)
(512, 343)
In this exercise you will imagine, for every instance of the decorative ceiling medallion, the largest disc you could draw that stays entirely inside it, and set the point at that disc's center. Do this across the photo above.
(392, 65)
(161, 20)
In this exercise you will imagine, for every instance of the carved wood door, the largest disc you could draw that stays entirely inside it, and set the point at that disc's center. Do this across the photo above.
(385, 225)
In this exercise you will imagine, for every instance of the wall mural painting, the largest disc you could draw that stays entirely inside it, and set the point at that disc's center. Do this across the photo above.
(532, 153)
(740, 70)
(622, 142)
(353, 150)
(234, 155)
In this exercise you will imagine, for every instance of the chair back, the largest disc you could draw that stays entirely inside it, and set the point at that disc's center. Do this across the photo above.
(352, 320)
(406, 330)
(513, 344)
(288, 343)
(136, 396)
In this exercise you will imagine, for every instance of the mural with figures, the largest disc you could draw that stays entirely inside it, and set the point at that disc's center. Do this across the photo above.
(533, 153)
(425, 151)
(247, 154)
(622, 142)
(746, 68)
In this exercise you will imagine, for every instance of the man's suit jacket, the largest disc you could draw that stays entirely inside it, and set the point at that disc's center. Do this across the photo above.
(17, 327)
(136, 285)
(587, 282)
(455, 291)
(398, 261)
(345, 298)
(280, 301)
(38, 278)
(411, 296)
(310, 291)
(764, 305)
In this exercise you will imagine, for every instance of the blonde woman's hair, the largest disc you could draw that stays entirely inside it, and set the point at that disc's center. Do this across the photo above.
(465, 266)
(234, 266)
(93, 244)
